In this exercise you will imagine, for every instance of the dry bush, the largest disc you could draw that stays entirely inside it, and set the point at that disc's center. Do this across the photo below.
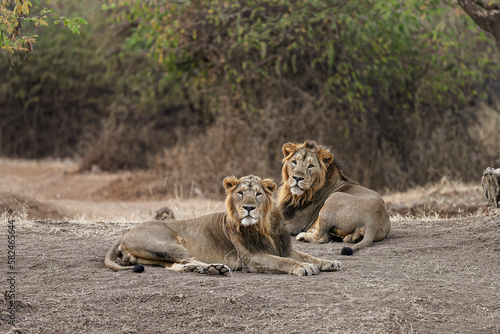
(486, 130)
(444, 199)
(241, 144)
(199, 164)
(15, 206)
(141, 184)
(225, 102)
(396, 113)
(125, 148)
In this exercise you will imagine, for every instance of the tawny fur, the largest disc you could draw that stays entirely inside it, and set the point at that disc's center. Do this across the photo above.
(491, 185)
(218, 243)
(332, 206)
(284, 195)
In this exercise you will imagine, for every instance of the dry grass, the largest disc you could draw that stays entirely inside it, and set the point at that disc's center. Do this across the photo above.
(196, 165)
(445, 199)
(46, 191)
(104, 218)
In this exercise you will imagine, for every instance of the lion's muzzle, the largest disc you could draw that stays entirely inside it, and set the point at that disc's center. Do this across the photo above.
(297, 185)
(249, 215)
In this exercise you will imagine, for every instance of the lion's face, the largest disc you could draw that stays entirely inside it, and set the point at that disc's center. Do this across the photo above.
(304, 167)
(249, 199)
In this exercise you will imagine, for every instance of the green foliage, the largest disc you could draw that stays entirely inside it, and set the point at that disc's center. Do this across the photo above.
(354, 56)
(75, 92)
(15, 14)
(73, 24)
(382, 74)
(369, 78)
(53, 95)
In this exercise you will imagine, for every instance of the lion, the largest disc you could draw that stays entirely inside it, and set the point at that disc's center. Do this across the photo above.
(490, 181)
(165, 213)
(248, 237)
(320, 204)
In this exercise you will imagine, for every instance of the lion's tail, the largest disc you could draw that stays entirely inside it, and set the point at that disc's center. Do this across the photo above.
(111, 256)
(367, 240)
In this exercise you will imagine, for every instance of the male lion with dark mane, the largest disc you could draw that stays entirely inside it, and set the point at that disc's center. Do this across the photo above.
(320, 203)
(249, 236)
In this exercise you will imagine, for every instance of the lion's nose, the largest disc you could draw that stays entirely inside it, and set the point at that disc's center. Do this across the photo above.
(298, 178)
(249, 208)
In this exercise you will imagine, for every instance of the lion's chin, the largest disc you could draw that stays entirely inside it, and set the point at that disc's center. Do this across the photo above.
(296, 191)
(247, 221)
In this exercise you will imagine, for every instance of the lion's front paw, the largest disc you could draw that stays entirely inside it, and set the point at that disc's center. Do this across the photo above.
(305, 269)
(327, 265)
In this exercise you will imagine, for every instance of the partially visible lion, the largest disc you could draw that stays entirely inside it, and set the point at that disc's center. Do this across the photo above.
(320, 203)
(164, 213)
(249, 236)
(491, 185)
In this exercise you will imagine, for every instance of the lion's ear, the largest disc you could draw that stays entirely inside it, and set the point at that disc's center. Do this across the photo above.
(230, 183)
(326, 156)
(289, 149)
(269, 186)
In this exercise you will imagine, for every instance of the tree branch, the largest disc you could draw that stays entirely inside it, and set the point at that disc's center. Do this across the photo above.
(486, 16)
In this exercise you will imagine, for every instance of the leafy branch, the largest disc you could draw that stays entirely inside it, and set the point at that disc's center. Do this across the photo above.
(13, 16)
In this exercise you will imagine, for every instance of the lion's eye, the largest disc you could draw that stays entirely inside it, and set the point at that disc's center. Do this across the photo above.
(294, 162)
(310, 166)
(240, 194)
(258, 194)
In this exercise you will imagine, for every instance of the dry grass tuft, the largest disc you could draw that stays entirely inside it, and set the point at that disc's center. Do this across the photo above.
(443, 199)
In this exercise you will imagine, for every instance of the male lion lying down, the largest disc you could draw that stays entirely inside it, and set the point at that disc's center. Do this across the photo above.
(248, 237)
(320, 203)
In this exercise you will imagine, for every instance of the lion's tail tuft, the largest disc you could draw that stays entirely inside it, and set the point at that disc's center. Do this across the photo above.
(347, 251)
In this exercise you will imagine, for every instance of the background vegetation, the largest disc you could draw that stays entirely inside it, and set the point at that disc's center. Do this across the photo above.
(404, 92)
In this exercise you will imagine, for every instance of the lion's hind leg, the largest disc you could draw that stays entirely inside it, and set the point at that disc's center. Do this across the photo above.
(129, 258)
(182, 261)
(356, 236)
(312, 236)
(160, 263)
(154, 243)
(369, 236)
(201, 268)
(178, 258)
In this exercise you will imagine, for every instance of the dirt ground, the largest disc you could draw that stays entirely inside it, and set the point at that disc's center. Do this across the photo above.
(431, 275)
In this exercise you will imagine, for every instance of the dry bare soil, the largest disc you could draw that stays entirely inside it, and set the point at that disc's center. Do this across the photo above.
(431, 275)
